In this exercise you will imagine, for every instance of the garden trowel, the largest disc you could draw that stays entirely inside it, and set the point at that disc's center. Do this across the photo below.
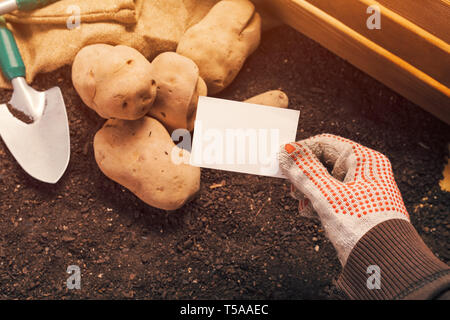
(33, 124)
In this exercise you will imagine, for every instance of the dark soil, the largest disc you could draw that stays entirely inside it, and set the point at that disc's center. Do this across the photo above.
(231, 241)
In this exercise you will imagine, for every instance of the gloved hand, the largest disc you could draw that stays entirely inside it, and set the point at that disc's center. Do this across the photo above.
(359, 193)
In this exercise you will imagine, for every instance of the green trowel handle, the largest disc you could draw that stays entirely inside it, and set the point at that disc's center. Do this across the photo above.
(26, 5)
(11, 62)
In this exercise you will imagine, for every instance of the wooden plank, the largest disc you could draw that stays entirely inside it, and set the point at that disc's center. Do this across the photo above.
(431, 15)
(365, 54)
(398, 35)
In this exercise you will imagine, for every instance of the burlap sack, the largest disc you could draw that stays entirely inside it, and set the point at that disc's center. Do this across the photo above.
(125, 11)
(150, 26)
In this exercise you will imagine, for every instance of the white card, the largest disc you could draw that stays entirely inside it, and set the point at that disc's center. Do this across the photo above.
(241, 137)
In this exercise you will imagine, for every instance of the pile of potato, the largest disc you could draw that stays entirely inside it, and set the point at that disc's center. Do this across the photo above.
(144, 102)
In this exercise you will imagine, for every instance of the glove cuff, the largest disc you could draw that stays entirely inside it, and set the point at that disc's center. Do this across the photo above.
(403, 267)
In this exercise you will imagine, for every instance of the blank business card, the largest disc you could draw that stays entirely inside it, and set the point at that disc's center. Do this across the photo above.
(241, 137)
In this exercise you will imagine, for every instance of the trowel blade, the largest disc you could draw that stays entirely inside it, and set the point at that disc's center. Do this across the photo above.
(42, 148)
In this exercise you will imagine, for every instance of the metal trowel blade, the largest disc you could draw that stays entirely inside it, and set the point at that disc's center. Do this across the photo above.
(42, 148)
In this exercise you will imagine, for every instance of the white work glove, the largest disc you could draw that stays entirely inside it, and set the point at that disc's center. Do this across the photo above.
(359, 193)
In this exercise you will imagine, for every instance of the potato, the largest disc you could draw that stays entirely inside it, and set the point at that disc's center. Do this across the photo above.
(220, 43)
(178, 87)
(202, 88)
(141, 156)
(274, 98)
(116, 82)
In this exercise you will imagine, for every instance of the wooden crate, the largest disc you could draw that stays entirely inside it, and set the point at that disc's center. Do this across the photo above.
(410, 53)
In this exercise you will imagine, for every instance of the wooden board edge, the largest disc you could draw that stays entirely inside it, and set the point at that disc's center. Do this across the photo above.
(398, 35)
(366, 55)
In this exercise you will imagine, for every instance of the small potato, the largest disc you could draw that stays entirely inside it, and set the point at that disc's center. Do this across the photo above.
(274, 98)
(117, 82)
(202, 88)
(141, 156)
(220, 43)
(178, 87)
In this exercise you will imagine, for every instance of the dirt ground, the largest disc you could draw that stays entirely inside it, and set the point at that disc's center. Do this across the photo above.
(231, 241)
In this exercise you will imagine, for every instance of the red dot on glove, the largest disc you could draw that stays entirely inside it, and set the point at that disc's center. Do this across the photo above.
(289, 148)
